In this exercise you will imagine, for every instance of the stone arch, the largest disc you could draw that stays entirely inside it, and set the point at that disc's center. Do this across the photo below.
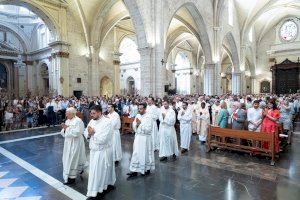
(22, 37)
(10, 75)
(125, 36)
(229, 45)
(201, 31)
(40, 11)
(45, 78)
(135, 16)
(106, 86)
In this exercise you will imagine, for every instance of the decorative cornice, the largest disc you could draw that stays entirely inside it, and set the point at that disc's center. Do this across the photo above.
(59, 43)
(60, 54)
(8, 53)
(116, 62)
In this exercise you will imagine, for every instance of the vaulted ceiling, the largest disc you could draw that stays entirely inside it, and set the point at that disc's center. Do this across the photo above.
(264, 14)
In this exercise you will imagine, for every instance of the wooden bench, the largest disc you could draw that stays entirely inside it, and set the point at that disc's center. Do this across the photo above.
(221, 138)
(126, 124)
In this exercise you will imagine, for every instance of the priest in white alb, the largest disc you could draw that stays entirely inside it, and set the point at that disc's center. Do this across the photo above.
(116, 125)
(185, 116)
(74, 157)
(153, 112)
(102, 176)
(142, 159)
(168, 140)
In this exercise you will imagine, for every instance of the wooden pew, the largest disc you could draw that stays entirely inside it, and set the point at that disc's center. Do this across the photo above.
(126, 124)
(219, 138)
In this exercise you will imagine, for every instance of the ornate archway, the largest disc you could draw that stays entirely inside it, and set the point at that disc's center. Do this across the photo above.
(106, 87)
(130, 86)
(44, 73)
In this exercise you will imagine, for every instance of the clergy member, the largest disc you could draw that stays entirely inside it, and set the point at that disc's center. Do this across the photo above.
(185, 118)
(102, 174)
(116, 125)
(74, 157)
(168, 140)
(202, 121)
(153, 112)
(142, 160)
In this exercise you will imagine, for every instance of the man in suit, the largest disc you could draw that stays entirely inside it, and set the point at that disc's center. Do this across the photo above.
(239, 117)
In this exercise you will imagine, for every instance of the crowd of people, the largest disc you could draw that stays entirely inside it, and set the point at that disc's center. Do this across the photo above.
(156, 124)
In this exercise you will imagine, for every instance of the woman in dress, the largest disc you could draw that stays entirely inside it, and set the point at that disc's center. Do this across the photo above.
(223, 115)
(271, 116)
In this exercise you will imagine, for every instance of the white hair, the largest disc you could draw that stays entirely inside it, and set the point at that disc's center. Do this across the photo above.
(71, 110)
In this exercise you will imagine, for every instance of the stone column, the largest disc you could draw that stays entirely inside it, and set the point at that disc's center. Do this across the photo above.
(31, 84)
(116, 63)
(60, 68)
(146, 71)
(236, 83)
(209, 79)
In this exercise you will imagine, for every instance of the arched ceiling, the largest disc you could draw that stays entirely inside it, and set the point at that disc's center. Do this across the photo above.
(264, 14)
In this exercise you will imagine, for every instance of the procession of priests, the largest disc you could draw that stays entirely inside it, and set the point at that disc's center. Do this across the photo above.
(154, 131)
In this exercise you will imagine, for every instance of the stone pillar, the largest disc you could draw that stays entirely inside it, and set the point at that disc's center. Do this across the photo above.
(146, 71)
(243, 83)
(60, 68)
(209, 79)
(236, 83)
(31, 84)
(117, 89)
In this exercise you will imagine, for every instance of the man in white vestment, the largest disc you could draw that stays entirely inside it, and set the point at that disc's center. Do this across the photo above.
(216, 107)
(102, 174)
(142, 159)
(254, 116)
(153, 112)
(168, 140)
(74, 157)
(202, 121)
(116, 125)
(185, 118)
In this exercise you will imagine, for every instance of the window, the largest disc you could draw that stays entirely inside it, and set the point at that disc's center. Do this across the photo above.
(230, 12)
(251, 35)
(78, 80)
(128, 49)
(288, 31)
(183, 73)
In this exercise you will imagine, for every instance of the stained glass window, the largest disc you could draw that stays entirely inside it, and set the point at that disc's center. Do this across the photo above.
(288, 30)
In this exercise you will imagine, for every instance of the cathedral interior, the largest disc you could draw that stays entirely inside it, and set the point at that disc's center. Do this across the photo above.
(148, 47)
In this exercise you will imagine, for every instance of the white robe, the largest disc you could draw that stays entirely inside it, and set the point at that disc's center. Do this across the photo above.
(168, 139)
(143, 155)
(116, 140)
(74, 157)
(202, 123)
(185, 127)
(102, 167)
(255, 116)
(214, 111)
(154, 113)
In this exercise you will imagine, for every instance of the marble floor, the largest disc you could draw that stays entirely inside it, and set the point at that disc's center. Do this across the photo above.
(31, 169)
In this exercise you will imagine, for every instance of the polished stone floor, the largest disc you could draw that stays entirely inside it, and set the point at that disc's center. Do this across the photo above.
(196, 175)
